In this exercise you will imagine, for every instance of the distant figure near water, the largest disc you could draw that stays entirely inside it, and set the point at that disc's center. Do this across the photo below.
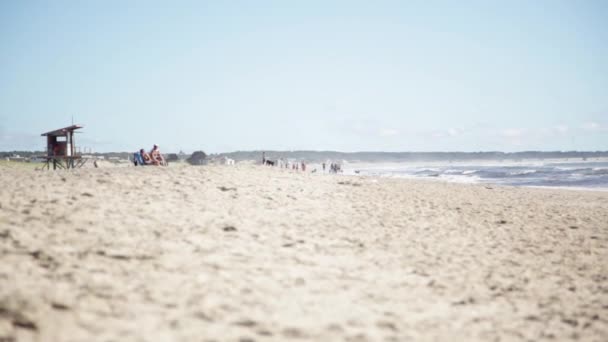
(284, 163)
(335, 168)
(267, 161)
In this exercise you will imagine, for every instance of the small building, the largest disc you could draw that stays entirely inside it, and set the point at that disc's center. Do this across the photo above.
(61, 148)
(16, 158)
(226, 161)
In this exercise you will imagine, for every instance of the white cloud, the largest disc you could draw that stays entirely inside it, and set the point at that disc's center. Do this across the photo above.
(450, 132)
(551, 131)
(594, 127)
(562, 129)
(513, 132)
(454, 132)
(388, 132)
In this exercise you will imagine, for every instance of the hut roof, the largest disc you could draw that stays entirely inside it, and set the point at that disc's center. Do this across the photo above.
(62, 131)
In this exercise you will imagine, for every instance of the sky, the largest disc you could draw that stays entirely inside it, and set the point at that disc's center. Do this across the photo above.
(350, 75)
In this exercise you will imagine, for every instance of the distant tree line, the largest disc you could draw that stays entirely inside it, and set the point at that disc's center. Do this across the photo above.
(26, 154)
(197, 158)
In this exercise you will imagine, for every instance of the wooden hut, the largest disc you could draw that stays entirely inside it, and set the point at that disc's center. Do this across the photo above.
(61, 148)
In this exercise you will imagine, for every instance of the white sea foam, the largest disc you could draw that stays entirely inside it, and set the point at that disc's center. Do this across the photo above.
(571, 175)
(524, 172)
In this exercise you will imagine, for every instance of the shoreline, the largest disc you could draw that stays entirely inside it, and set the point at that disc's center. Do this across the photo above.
(473, 182)
(589, 175)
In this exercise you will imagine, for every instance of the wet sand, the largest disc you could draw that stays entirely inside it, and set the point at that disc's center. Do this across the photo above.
(250, 253)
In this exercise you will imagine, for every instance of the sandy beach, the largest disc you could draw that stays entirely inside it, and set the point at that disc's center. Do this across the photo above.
(252, 253)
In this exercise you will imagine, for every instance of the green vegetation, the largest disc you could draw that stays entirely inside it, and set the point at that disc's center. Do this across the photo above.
(19, 165)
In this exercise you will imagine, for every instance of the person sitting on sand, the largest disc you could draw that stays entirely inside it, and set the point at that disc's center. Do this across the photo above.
(157, 158)
(138, 157)
(146, 157)
(142, 158)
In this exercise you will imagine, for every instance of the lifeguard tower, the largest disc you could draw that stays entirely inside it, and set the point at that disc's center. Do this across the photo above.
(61, 149)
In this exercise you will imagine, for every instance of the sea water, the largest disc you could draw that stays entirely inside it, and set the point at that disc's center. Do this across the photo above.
(563, 174)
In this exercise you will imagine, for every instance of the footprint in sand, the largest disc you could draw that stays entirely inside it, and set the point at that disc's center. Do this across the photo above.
(293, 333)
(229, 229)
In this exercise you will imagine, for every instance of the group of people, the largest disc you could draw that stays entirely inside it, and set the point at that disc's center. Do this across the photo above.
(333, 168)
(283, 163)
(297, 166)
(154, 157)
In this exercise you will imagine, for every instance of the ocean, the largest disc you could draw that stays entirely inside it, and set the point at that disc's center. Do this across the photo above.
(560, 174)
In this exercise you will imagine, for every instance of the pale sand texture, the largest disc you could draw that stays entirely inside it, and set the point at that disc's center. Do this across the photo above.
(253, 253)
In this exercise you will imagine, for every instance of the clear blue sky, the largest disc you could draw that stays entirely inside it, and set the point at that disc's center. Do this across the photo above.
(325, 75)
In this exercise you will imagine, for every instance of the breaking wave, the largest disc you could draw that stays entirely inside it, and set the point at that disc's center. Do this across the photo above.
(576, 175)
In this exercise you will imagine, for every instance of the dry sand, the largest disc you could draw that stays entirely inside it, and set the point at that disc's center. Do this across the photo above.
(252, 253)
